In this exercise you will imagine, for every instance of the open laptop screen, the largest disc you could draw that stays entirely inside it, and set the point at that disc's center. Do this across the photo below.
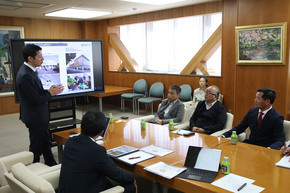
(105, 130)
(203, 158)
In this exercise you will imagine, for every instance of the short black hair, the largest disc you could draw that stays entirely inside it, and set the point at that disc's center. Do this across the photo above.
(268, 94)
(176, 88)
(30, 50)
(93, 123)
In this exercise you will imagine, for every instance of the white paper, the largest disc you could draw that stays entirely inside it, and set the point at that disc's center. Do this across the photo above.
(159, 151)
(136, 157)
(181, 132)
(233, 182)
(284, 162)
(165, 170)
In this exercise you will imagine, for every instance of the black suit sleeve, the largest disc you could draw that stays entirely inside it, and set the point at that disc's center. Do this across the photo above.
(31, 90)
(107, 167)
(278, 134)
(193, 118)
(240, 128)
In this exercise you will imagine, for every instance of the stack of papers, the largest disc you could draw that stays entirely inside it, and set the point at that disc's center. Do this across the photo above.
(159, 151)
(165, 170)
(284, 162)
(233, 182)
(133, 155)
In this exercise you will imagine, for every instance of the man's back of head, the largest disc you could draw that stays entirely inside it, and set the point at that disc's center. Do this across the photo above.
(93, 123)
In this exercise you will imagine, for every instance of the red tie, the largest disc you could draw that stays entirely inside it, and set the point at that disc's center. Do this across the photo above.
(259, 119)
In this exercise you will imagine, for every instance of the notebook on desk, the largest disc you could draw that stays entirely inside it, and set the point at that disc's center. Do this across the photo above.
(105, 130)
(202, 164)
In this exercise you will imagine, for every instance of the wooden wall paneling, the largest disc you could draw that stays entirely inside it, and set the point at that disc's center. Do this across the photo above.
(228, 80)
(6, 21)
(250, 78)
(63, 29)
(89, 30)
(8, 105)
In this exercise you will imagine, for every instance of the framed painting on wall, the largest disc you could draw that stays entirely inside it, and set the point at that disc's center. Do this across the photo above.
(261, 44)
(6, 79)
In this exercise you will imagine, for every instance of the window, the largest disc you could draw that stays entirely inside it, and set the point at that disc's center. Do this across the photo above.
(167, 46)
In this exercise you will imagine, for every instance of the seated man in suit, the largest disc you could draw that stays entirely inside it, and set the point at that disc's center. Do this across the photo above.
(170, 108)
(265, 123)
(210, 115)
(86, 165)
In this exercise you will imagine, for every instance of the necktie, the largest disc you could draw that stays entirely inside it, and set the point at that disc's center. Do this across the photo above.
(259, 119)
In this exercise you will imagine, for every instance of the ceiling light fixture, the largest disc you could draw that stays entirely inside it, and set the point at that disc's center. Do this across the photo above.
(155, 2)
(77, 13)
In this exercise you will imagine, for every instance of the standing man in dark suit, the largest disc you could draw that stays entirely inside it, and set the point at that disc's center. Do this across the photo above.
(170, 108)
(86, 165)
(34, 111)
(265, 123)
(210, 115)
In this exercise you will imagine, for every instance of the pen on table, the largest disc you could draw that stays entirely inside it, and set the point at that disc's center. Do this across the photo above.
(242, 186)
(134, 157)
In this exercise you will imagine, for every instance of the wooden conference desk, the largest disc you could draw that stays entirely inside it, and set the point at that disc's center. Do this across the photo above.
(111, 91)
(250, 161)
(129, 133)
(257, 163)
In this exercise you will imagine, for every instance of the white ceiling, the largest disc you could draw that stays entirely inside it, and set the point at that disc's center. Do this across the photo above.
(37, 8)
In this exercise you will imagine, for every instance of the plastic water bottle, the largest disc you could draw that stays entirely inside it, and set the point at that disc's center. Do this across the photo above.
(234, 138)
(226, 166)
(111, 117)
(143, 124)
(171, 125)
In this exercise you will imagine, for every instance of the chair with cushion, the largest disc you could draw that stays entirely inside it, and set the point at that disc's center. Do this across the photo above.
(139, 90)
(24, 157)
(287, 131)
(156, 93)
(228, 126)
(22, 180)
(185, 94)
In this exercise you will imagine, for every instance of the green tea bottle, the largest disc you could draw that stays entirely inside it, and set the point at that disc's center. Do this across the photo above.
(234, 138)
(226, 166)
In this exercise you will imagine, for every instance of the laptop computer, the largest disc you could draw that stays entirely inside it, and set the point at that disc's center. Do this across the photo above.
(105, 130)
(202, 164)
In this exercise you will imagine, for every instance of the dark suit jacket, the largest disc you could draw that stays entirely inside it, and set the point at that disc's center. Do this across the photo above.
(270, 132)
(33, 98)
(212, 121)
(176, 112)
(85, 165)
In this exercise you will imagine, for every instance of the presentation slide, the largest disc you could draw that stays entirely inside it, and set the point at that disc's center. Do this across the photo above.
(66, 63)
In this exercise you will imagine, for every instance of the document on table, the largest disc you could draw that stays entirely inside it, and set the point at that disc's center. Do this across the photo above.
(233, 182)
(165, 170)
(159, 151)
(136, 157)
(284, 162)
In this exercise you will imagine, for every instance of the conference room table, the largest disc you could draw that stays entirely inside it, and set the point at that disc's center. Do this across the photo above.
(254, 162)
(111, 90)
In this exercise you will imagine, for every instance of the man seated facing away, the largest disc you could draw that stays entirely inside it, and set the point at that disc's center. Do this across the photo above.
(265, 123)
(210, 115)
(86, 165)
(170, 108)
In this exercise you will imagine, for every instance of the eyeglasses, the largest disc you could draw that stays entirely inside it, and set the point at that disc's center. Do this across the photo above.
(208, 92)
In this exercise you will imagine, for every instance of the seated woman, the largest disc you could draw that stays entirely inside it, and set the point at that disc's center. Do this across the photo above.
(198, 94)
